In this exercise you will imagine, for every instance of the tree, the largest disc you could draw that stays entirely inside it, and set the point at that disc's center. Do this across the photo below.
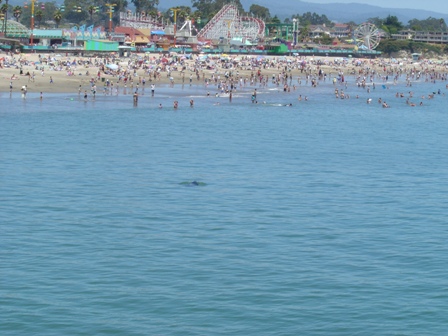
(392, 25)
(76, 11)
(141, 5)
(39, 15)
(429, 24)
(309, 18)
(183, 13)
(388, 46)
(376, 21)
(17, 12)
(275, 20)
(304, 33)
(153, 14)
(57, 17)
(92, 10)
(209, 8)
(325, 39)
(4, 9)
(197, 18)
(260, 11)
(205, 7)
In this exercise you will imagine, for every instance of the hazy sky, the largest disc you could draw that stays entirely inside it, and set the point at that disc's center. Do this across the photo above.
(432, 5)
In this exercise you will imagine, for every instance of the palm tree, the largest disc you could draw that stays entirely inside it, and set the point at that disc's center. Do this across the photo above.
(152, 14)
(39, 15)
(4, 8)
(17, 12)
(92, 10)
(57, 17)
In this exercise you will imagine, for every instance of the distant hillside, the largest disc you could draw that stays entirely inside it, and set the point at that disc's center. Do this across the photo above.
(336, 11)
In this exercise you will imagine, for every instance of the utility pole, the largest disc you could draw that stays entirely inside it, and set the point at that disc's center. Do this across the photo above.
(111, 11)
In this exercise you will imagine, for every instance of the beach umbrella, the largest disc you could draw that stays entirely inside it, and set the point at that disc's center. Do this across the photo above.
(112, 66)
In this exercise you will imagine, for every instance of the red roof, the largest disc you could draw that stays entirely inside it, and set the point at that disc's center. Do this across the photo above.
(132, 32)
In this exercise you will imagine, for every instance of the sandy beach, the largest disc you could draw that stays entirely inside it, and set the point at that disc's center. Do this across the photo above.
(50, 73)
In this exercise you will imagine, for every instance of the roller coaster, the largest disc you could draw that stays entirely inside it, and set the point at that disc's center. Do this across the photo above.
(228, 23)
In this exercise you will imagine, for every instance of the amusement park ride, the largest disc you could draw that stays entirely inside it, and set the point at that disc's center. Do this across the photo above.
(366, 36)
(228, 23)
(226, 26)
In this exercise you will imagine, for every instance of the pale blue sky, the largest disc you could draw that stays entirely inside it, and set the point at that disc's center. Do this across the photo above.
(431, 5)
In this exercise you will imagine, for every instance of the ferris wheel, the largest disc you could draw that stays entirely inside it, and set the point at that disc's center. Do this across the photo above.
(367, 36)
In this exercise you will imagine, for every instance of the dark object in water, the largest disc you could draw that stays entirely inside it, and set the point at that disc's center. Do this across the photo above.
(193, 184)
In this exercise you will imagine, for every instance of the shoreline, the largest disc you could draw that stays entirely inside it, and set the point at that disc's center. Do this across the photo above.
(79, 78)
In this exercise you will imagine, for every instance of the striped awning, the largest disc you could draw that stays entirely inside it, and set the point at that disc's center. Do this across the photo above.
(47, 33)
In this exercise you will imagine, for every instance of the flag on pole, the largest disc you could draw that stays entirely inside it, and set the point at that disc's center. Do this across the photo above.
(90, 30)
(82, 29)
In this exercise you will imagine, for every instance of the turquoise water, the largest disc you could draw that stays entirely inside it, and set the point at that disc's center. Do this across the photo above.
(325, 218)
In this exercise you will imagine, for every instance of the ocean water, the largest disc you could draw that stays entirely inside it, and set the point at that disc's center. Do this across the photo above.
(328, 217)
